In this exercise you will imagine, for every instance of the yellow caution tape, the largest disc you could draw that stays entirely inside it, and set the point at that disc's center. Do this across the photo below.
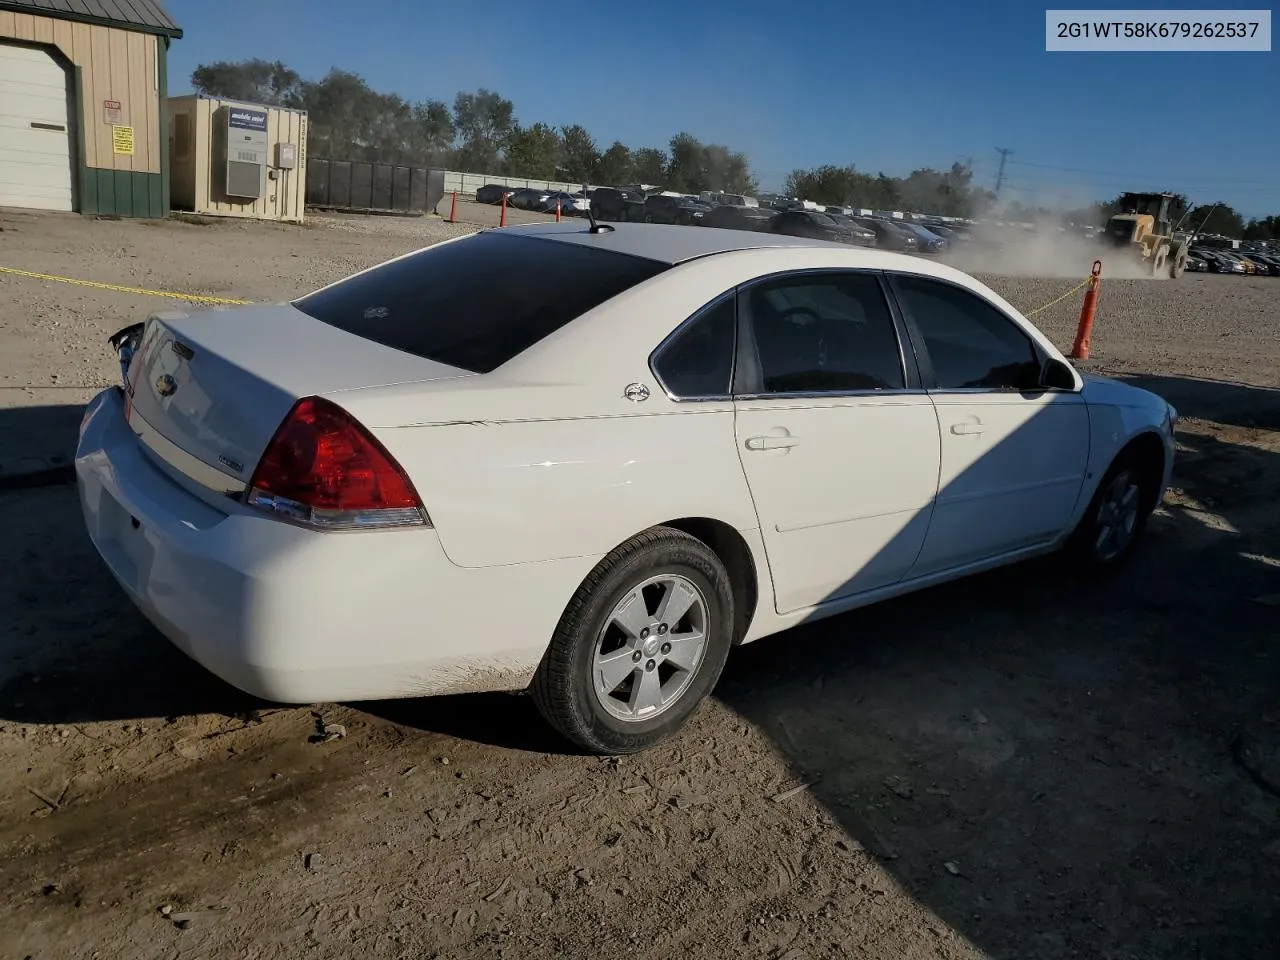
(1083, 283)
(192, 297)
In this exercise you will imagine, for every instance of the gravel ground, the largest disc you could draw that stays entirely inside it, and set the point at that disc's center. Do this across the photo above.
(1012, 766)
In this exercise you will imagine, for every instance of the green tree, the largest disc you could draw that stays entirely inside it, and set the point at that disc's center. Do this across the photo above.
(484, 122)
(615, 165)
(579, 155)
(1265, 228)
(533, 152)
(255, 81)
(433, 131)
(343, 112)
(686, 165)
(1215, 218)
(649, 165)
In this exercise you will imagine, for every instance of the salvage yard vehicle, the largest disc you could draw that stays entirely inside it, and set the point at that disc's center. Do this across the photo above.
(861, 235)
(494, 192)
(1144, 229)
(889, 234)
(529, 199)
(664, 208)
(926, 239)
(733, 217)
(614, 203)
(645, 446)
(820, 226)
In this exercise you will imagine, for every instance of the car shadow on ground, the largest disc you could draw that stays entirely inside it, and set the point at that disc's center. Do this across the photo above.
(1058, 769)
(1050, 768)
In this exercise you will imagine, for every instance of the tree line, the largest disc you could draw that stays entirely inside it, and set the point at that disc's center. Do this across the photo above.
(479, 132)
(949, 193)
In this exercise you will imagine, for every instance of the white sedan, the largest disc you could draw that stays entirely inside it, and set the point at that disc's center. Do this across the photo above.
(587, 461)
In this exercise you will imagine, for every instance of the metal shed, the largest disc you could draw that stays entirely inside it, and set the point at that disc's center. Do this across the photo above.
(229, 158)
(82, 89)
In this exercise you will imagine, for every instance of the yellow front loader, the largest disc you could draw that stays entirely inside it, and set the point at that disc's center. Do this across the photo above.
(1142, 226)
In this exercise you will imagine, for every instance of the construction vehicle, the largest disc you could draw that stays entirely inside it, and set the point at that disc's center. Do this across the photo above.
(1143, 226)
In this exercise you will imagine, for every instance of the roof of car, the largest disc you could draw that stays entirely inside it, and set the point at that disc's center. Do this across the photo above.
(676, 244)
(662, 242)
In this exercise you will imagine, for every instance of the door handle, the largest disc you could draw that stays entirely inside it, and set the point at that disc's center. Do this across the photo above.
(771, 443)
(966, 429)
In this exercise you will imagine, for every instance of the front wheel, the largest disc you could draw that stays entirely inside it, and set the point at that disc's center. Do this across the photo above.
(1117, 517)
(1158, 260)
(641, 644)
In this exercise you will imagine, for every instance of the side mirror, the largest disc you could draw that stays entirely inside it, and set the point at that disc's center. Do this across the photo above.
(1056, 375)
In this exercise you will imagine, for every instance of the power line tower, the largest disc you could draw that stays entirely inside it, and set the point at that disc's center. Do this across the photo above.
(1004, 156)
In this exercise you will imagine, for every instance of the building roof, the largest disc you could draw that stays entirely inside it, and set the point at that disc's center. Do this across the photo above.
(143, 16)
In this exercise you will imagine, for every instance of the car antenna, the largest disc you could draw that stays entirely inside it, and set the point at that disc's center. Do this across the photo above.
(591, 215)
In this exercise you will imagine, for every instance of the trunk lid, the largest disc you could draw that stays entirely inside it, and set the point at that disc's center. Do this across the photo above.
(207, 391)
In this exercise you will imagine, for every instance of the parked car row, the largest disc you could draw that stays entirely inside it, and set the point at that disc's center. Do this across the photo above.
(1254, 262)
(533, 199)
(624, 204)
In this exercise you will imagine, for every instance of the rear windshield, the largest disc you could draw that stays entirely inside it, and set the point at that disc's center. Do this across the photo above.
(476, 303)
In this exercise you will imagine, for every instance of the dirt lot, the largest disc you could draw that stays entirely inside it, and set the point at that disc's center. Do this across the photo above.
(1011, 767)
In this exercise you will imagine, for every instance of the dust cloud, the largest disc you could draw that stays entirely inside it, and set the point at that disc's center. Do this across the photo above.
(1046, 249)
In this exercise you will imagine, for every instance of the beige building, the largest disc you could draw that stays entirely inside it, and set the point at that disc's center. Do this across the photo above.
(83, 88)
(229, 158)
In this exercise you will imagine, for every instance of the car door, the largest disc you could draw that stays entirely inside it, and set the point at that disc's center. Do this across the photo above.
(838, 442)
(1013, 454)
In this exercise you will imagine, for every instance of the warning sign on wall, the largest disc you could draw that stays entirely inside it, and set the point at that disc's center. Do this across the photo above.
(111, 112)
(122, 140)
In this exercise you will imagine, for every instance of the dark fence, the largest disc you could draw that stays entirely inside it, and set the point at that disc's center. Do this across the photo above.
(372, 187)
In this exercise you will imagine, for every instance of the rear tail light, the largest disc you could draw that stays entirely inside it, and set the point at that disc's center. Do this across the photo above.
(324, 470)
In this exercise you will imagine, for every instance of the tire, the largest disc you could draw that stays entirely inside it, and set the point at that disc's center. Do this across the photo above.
(565, 688)
(1178, 265)
(1085, 549)
(1158, 260)
(648, 218)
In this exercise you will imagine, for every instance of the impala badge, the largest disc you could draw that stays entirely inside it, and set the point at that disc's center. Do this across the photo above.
(166, 385)
(636, 392)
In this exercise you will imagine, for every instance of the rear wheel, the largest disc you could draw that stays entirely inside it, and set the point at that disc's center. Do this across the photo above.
(1117, 517)
(641, 644)
(1179, 264)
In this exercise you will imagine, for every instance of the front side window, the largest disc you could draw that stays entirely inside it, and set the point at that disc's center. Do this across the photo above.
(825, 333)
(698, 361)
(972, 344)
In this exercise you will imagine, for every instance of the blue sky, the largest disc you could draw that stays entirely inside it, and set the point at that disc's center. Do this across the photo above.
(885, 86)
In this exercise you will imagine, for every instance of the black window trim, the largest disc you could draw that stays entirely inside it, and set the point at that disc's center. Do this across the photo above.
(928, 377)
(748, 380)
(656, 354)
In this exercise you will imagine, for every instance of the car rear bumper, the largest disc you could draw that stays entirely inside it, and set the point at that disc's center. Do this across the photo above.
(298, 616)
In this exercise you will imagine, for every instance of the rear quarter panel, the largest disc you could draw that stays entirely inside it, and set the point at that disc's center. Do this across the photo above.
(524, 491)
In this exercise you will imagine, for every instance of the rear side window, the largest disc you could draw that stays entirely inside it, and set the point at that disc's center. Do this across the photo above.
(698, 361)
(825, 333)
(478, 302)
